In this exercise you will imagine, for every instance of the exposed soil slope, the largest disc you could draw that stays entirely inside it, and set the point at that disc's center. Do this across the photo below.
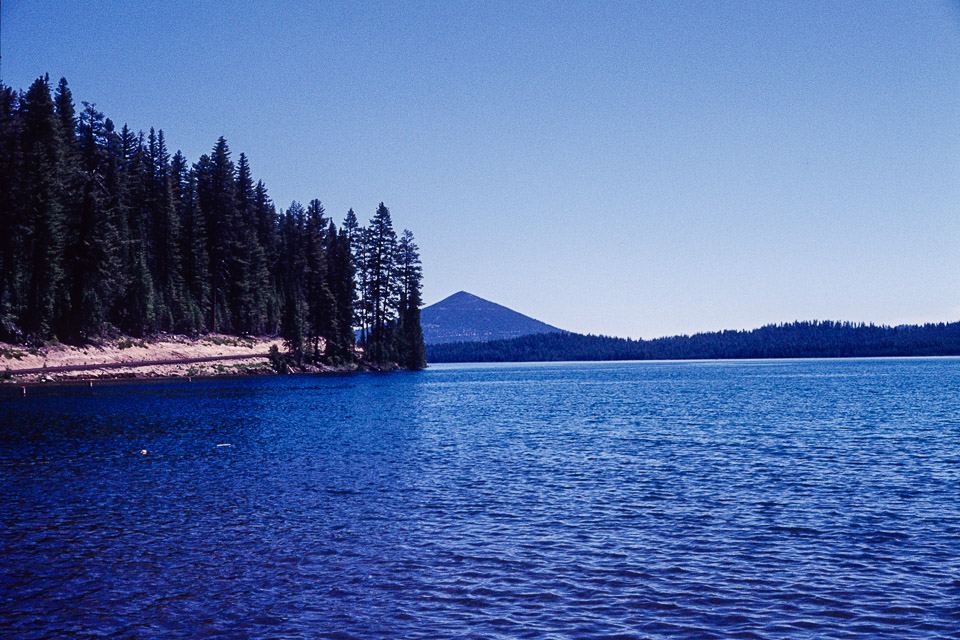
(164, 356)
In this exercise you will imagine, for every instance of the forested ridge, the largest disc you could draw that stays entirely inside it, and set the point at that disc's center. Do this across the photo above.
(104, 232)
(816, 339)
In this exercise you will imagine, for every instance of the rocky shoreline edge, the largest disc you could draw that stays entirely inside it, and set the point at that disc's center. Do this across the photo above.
(158, 357)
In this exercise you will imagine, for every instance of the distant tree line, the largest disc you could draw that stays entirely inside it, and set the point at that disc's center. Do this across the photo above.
(795, 340)
(103, 231)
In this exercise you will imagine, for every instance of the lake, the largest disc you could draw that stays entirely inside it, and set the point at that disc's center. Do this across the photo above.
(755, 499)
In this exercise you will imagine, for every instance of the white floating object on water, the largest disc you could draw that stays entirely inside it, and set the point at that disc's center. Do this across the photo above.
(143, 452)
(224, 445)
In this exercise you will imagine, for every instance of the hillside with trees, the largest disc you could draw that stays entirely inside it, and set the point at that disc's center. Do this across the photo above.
(795, 340)
(104, 232)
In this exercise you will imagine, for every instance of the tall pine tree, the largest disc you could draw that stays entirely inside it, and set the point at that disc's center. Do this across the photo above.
(340, 275)
(292, 275)
(217, 197)
(103, 230)
(194, 270)
(410, 347)
(13, 263)
(44, 217)
(320, 302)
(381, 287)
(252, 275)
(265, 215)
(93, 265)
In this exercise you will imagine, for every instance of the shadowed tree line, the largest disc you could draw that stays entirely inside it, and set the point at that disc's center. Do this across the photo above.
(103, 231)
(795, 340)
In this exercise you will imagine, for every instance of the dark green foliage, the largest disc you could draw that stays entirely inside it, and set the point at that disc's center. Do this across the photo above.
(103, 231)
(164, 244)
(278, 361)
(66, 114)
(359, 247)
(196, 262)
(340, 272)
(292, 270)
(138, 309)
(409, 336)
(251, 278)
(194, 273)
(794, 340)
(13, 271)
(380, 297)
(265, 219)
(388, 275)
(42, 195)
(75, 205)
(116, 220)
(217, 199)
(94, 261)
(354, 242)
(320, 303)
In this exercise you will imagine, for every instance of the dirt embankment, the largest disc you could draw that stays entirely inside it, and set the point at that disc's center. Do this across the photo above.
(163, 356)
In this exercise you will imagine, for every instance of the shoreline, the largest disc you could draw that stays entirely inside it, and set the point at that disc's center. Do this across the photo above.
(90, 382)
(161, 357)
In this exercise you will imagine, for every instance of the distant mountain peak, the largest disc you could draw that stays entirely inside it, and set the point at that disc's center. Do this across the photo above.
(460, 296)
(465, 317)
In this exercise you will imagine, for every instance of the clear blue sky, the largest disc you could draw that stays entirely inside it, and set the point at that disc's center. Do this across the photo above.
(636, 169)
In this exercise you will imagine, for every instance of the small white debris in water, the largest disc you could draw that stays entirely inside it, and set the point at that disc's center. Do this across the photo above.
(143, 452)
(224, 445)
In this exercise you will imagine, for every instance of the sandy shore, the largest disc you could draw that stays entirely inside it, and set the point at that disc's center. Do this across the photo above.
(163, 356)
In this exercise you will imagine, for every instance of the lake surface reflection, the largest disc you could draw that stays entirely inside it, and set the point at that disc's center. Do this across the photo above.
(776, 499)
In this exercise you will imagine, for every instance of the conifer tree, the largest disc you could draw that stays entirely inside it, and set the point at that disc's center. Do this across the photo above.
(139, 305)
(217, 197)
(13, 273)
(164, 237)
(252, 275)
(320, 302)
(45, 223)
(292, 278)
(66, 115)
(116, 218)
(340, 274)
(92, 261)
(72, 199)
(70, 167)
(103, 230)
(265, 214)
(381, 288)
(355, 236)
(411, 349)
(192, 248)
(197, 265)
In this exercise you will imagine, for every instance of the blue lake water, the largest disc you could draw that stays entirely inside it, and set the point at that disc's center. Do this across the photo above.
(777, 499)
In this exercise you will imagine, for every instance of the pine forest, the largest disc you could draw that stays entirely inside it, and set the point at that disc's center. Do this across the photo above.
(106, 233)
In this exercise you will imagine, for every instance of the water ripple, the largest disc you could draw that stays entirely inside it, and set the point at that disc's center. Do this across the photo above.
(618, 500)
